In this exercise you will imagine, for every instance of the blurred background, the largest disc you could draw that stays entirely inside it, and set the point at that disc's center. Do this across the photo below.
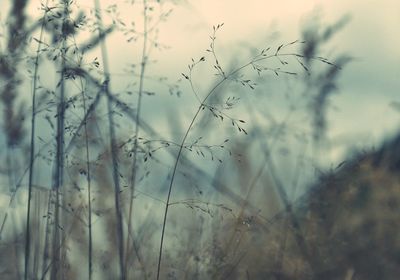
(325, 92)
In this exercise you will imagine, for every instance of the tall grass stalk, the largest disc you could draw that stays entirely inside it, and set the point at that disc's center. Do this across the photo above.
(32, 147)
(58, 182)
(113, 146)
(46, 249)
(88, 173)
(86, 114)
(137, 127)
(89, 191)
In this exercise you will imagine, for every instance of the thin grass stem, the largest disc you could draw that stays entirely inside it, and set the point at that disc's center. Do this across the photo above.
(113, 147)
(32, 149)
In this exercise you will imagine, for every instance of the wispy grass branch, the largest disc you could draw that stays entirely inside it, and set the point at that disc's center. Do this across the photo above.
(262, 56)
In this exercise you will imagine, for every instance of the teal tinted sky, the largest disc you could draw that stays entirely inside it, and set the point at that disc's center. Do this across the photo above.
(368, 85)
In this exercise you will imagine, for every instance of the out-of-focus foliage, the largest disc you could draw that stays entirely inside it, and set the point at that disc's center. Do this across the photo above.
(240, 188)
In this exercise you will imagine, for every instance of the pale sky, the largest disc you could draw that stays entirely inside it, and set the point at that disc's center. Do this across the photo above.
(367, 85)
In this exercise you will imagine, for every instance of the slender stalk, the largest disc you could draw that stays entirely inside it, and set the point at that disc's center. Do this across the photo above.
(118, 211)
(55, 267)
(176, 165)
(32, 150)
(199, 109)
(137, 126)
(89, 194)
(38, 244)
(90, 249)
(46, 235)
(88, 172)
(170, 190)
(59, 171)
(63, 241)
(113, 147)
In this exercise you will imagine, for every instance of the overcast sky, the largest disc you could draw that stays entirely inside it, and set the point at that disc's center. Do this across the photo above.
(367, 86)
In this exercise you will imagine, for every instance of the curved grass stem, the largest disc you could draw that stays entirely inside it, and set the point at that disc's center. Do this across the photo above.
(225, 77)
